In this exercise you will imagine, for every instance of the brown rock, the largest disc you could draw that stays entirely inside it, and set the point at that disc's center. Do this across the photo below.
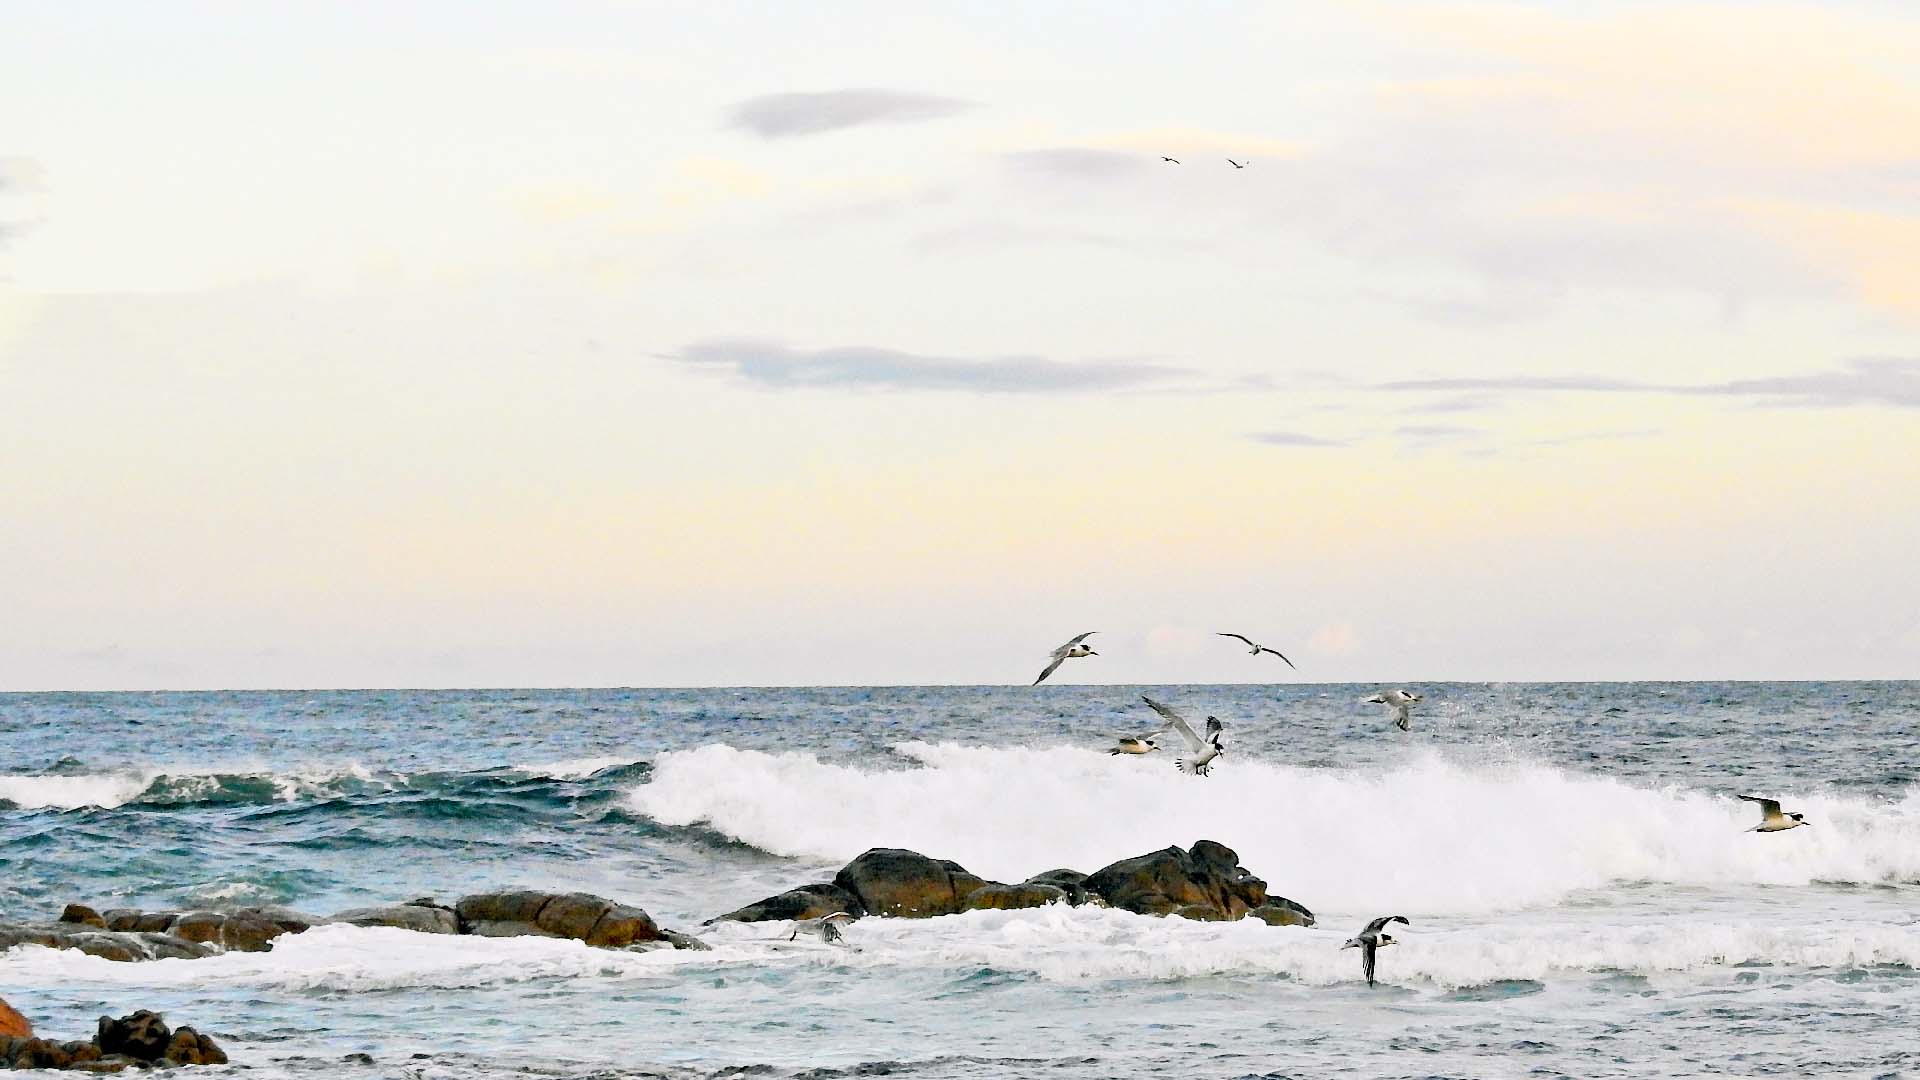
(621, 926)
(1072, 881)
(417, 917)
(189, 1047)
(12, 1024)
(579, 916)
(572, 915)
(1010, 897)
(81, 915)
(1173, 881)
(143, 1036)
(40, 1054)
(894, 881)
(805, 902)
(502, 907)
(1279, 911)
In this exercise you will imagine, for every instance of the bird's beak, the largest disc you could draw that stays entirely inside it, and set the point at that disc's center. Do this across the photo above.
(1090, 652)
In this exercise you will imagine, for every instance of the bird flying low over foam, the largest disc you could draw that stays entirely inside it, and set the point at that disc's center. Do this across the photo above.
(1139, 744)
(1200, 752)
(1072, 650)
(1372, 940)
(1258, 649)
(826, 927)
(1771, 819)
(1401, 702)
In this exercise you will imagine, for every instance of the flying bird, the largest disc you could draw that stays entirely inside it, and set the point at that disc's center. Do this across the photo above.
(1200, 752)
(1139, 744)
(826, 927)
(1771, 819)
(1236, 164)
(1072, 650)
(1371, 940)
(1258, 649)
(1400, 701)
(1164, 157)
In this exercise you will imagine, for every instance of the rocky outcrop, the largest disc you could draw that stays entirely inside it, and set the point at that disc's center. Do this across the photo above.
(1280, 911)
(422, 916)
(805, 902)
(1205, 881)
(898, 882)
(580, 916)
(1072, 882)
(1027, 894)
(12, 1024)
(106, 944)
(140, 1040)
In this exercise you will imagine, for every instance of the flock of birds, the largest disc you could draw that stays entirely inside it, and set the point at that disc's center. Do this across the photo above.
(1205, 746)
(1230, 161)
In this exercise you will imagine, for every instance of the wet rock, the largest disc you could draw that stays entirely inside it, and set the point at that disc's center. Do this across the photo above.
(1072, 882)
(907, 884)
(805, 902)
(1280, 911)
(684, 941)
(142, 1036)
(189, 1047)
(109, 945)
(1027, 894)
(416, 917)
(1206, 877)
(131, 921)
(241, 931)
(81, 915)
(12, 1024)
(39, 1054)
(579, 916)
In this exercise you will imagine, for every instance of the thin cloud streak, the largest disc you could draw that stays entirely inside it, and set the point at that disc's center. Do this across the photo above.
(1869, 381)
(776, 366)
(1293, 438)
(777, 116)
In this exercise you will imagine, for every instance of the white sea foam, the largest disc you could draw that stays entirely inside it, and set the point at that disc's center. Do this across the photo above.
(576, 768)
(176, 784)
(72, 792)
(1431, 836)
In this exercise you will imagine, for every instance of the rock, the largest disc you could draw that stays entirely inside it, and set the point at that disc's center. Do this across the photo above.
(241, 931)
(684, 941)
(1207, 876)
(143, 1036)
(1279, 911)
(12, 1024)
(501, 907)
(416, 917)
(81, 915)
(579, 916)
(189, 1047)
(1073, 882)
(620, 926)
(129, 921)
(40, 1054)
(907, 884)
(109, 945)
(1027, 894)
(805, 902)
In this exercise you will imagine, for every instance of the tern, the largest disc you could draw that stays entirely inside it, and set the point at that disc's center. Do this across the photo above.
(1072, 650)
(1200, 752)
(1771, 819)
(1236, 164)
(1401, 701)
(1164, 157)
(826, 927)
(1258, 649)
(1370, 941)
(1140, 744)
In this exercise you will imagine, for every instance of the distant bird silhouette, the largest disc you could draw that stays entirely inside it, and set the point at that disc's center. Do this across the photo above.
(1070, 651)
(1401, 702)
(1200, 752)
(1771, 819)
(1164, 157)
(1258, 649)
(1371, 940)
(1236, 164)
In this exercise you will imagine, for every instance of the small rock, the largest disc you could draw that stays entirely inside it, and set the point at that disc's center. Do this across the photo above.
(805, 902)
(1279, 911)
(684, 941)
(12, 1024)
(898, 882)
(1010, 897)
(81, 915)
(189, 1047)
(143, 1036)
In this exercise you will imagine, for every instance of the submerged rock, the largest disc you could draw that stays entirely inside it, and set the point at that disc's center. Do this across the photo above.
(1206, 881)
(898, 882)
(805, 902)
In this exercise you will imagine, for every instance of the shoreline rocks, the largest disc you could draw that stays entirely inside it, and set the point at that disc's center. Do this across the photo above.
(140, 1040)
(12, 1024)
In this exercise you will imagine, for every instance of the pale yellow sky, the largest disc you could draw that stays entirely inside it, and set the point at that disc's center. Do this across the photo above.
(634, 344)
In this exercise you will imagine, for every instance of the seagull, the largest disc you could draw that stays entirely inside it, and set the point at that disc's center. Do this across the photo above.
(826, 927)
(1140, 744)
(1070, 651)
(1771, 819)
(1401, 701)
(1258, 649)
(1201, 752)
(1371, 939)
(1164, 157)
(1236, 164)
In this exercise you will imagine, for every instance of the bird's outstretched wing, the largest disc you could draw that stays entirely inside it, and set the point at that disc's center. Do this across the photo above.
(1214, 727)
(1078, 638)
(1242, 637)
(1769, 807)
(1279, 654)
(1057, 661)
(1380, 923)
(1367, 951)
(1176, 722)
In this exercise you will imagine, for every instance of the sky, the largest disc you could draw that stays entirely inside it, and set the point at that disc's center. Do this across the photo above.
(647, 344)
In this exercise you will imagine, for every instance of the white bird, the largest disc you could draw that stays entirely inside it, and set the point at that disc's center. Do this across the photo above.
(1400, 701)
(826, 927)
(1072, 650)
(1200, 752)
(1771, 819)
(1372, 940)
(1258, 649)
(1139, 744)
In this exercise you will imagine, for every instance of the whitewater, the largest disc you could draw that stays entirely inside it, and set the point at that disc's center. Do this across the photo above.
(1585, 899)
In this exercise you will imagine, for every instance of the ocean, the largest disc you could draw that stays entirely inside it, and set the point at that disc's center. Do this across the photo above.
(1584, 900)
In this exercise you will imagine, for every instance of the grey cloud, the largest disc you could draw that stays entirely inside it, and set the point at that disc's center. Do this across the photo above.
(774, 116)
(1871, 381)
(1292, 438)
(1078, 162)
(864, 367)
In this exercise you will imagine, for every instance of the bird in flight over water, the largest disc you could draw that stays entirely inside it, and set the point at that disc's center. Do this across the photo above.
(1771, 819)
(1371, 940)
(1072, 650)
(1236, 164)
(826, 927)
(1164, 157)
(1401, 702)
(1258, 649)
(1200, 752)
